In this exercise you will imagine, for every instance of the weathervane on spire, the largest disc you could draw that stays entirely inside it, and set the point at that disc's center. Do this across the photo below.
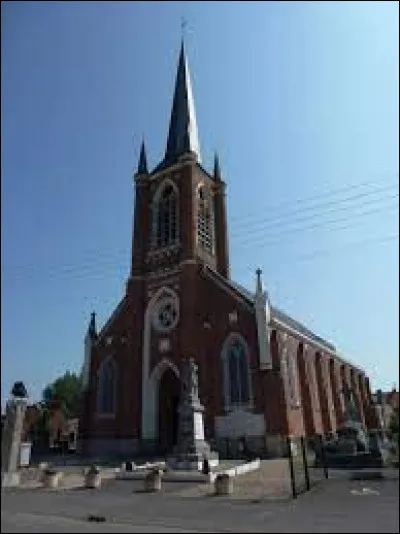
(183, 27)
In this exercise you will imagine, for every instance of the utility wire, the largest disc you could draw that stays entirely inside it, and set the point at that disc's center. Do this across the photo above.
(266, 236)
(99, 270)
(284, 215)
(331, 251)
(265, 227)
(252, 238)
(327, 194)
(266, 224)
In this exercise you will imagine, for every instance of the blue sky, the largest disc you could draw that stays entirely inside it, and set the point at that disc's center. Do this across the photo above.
(300, 99)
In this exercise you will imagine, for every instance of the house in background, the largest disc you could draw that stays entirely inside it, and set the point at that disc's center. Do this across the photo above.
(60, 435)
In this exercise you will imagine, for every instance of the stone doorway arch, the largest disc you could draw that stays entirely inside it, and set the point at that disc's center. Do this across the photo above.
(162, 393)
(168, 400)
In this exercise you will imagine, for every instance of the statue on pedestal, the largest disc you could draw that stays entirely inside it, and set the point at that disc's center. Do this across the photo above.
(351, 411)
(191, 448)
(190, 379)
(12, 434)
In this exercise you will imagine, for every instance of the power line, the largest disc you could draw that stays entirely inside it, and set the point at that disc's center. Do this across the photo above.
(267, 238)
(84, 272)
(264, 239)
(287, 220)
(276, 206)
(264, 228)
(285, 215)
(334, 250)
(273, 222)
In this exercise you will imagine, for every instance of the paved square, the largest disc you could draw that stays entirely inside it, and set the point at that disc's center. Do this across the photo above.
(333, 506)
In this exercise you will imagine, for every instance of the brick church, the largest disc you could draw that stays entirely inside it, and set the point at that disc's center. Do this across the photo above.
(262, 375)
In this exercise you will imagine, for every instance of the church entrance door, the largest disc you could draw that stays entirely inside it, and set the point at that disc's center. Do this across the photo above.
(168, 399)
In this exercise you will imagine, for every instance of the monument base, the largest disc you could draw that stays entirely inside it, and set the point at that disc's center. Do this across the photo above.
(10, 479)
(191, 450)
(192, 461)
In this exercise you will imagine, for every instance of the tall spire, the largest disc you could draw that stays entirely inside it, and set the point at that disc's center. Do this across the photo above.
(142, 166)
(182, 135)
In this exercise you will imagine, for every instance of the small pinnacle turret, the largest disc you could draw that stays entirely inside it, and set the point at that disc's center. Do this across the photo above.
(92, 333)
(259, 282)
(217, 170)
(142, 165)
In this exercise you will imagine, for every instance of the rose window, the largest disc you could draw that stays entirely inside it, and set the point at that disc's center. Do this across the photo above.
(166, 315)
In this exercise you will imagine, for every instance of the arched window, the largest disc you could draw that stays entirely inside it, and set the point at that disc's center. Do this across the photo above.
(165, 215)
(107, 387)
(205, 220)
(289, 370)
(236, 373)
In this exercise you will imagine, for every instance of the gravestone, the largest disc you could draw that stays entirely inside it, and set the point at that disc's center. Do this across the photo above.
(191, 449)
(11, 441)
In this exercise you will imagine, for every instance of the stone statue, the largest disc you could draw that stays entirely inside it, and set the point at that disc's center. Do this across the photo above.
(351, 408)
(191, 450)
(190, 379)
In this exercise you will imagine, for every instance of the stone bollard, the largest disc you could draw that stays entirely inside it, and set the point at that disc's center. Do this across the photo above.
(93, 478)
(51, 478)
(223, 484)
(152, 482)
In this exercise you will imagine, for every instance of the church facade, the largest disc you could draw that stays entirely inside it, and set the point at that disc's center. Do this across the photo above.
(262, 375)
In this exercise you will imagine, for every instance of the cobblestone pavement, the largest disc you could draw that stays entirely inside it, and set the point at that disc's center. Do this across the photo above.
(333, 506)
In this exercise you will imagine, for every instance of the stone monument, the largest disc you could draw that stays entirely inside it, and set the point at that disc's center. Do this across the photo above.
(11, 436)
(352, 431)
(191, 449)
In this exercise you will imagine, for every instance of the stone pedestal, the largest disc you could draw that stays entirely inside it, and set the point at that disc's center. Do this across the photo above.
(191, 449)
(352, 432)
(11, 441)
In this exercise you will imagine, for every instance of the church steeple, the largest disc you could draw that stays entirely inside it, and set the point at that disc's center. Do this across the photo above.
(182, 135)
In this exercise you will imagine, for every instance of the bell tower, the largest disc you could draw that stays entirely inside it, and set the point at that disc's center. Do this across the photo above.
(180, 211)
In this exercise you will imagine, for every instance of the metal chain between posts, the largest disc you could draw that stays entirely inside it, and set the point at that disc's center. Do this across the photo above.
(304, 453)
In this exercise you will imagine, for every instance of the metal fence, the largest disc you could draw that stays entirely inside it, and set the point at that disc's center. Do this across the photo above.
(307, 465)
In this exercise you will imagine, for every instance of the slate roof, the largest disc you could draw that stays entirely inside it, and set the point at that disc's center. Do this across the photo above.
(286, 319)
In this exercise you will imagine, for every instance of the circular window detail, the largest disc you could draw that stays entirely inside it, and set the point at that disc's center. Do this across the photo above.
(165, 316)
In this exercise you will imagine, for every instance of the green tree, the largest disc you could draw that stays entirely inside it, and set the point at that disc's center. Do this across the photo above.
(41, 430)
(65, 392)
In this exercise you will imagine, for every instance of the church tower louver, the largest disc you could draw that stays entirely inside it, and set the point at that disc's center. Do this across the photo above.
(262, 375)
